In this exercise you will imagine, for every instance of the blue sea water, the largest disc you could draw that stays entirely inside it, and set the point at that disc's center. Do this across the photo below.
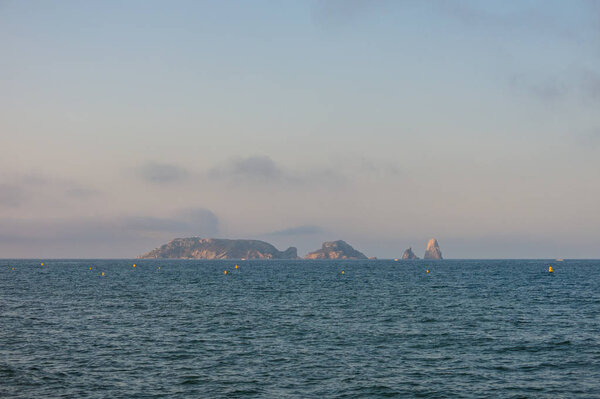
(299, 329)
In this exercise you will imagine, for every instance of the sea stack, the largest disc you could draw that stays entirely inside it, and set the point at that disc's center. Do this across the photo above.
(336, 250)
(433, 250)
(409, 254)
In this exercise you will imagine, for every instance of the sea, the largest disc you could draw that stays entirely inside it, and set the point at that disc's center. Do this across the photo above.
(299, 329)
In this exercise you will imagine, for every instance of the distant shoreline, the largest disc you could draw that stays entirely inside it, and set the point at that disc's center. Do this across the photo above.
(308, 260)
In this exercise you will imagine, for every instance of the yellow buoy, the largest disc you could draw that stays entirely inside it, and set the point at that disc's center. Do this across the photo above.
(343, 272)
(225, 272)
(103, 273)
(550, 269)
(90, 268)
(13, 268)
(134, 265)
(42, 264)
(159, 268)
(427, 270)
(395, 260)
(236, 266)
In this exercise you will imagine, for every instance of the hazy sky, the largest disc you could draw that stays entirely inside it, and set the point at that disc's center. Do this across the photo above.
(126, 124)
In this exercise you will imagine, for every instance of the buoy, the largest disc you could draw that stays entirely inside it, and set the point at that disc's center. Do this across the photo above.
(550, 269)
(103, 273)
(159, 268)
(343, 272)
(42, 264)
(225, 272)
(395, 260)
(427, 270)
(13, 268)
(236, 266)
(90, 268)
(134, 265)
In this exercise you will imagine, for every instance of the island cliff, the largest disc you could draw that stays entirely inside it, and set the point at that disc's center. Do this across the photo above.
(336, 250)
(409, 254)
(433, 250)
(217, 248)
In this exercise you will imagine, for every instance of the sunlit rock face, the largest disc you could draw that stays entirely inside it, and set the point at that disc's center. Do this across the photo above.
(217, 248)
(433, 250)
(336, 250)
(409, 254)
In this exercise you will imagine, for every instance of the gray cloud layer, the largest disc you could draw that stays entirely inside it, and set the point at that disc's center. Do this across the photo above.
(190, 222)
(252, 169)
(583, 84)
(161, 173)
(19, 189)
(264, 171)
(119, 236)
(11, 195)
(590, 84)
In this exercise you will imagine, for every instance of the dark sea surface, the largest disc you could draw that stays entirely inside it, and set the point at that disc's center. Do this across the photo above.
(299, 329)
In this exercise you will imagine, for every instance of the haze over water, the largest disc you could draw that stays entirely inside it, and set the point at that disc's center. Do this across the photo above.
(299, 329)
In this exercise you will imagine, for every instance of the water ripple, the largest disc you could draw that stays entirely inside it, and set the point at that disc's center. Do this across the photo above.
(289, 329)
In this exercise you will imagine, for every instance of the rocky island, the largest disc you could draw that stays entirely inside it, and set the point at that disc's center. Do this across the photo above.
(409, 254)
(336, 250)
(218, 248)
(433, 250)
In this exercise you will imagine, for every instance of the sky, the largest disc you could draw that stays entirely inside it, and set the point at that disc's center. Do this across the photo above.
(382, 123)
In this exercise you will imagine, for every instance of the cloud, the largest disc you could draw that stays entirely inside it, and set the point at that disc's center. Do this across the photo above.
(262, 170)
(583, 84)
(11, 195)
(80, 192)
(253, 169)
(591, 139)
(590, 84)
(345, 12)
(198, 221)
(19, 189)
(118, 236)
(523, 17)
(194, 222)
(593, 8)
(299, 230)
(378, 167)
(545, 89)
(161, 173)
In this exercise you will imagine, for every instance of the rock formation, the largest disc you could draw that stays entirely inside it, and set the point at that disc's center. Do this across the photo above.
(216, 248)
(409, 254)
(336, 250)
(433, 250)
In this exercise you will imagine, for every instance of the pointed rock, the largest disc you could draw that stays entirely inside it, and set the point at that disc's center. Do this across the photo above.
(336, 250)
(409, 254)
(433, 250)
